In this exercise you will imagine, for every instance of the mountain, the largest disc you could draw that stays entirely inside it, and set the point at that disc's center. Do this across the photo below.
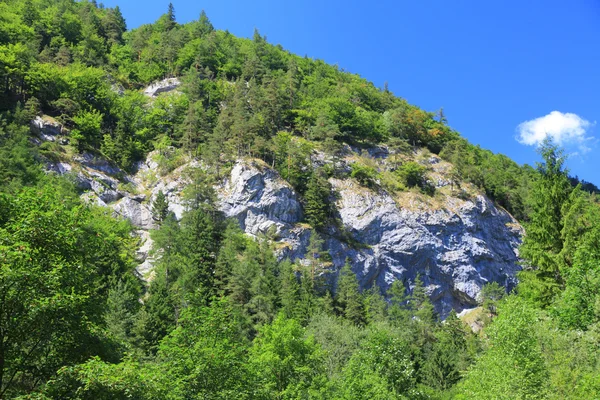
(188, 214)
(456, 238)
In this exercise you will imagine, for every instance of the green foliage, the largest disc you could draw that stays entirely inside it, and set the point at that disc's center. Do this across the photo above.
(221, 317)
(96, 379)
(57, 256)
(414, 174)
(364, 174)
(348, 297)
(292, 159)
(512, 367)
(88, 125)
(579, 305)
(206, 355)
(160, 207)
(542, 277)
(502, 179)
(491, 294)
(318, 207)
(287, 365)
(380, 369)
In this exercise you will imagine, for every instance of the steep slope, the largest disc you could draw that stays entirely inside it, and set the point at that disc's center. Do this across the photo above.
(456, 240)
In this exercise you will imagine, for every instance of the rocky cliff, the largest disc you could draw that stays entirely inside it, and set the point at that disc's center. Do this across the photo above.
(456, 240)
(456, 244)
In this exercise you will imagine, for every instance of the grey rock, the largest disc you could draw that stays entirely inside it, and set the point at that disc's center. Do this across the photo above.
(46, 127)
(143, 255)
(259, 199)
(455, 250)
(433, 160)
(139, 214)
(60, 168)
(97, 163)
(166, 85)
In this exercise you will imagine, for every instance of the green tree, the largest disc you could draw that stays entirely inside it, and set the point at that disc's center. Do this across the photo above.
(491, 294)
(512, 367)
(290, 290)
(448, 356)
(122, 306)
(88, 125)
(348, 296)
(380, 369)
(317, 204)
(160, 207)
(541, 278)
(287, 364)
(50, 284)
(206, 356)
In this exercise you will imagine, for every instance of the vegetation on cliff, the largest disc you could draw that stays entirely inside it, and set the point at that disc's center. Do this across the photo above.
(222, 317)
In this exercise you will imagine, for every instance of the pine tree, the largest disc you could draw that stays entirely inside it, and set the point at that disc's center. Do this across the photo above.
(542, 278)
(158, 316)
(232, 246)
(317, 205)
(199, 248)
(448, 355)
(160, 207)
(398, 309)
(290, 290)
(263, 302)
(122, 305)
(170, 18)
(375, 305)
(420, 304)
(316, 265)
(348, 296)
(205, 26)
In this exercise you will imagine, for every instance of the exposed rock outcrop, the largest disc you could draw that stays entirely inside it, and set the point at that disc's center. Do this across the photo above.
(166, 85)
(46, 128)
(456, 249)
(139, 214)
(455, 244)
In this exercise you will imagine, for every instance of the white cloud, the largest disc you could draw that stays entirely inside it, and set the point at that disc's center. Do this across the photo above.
(565, 129)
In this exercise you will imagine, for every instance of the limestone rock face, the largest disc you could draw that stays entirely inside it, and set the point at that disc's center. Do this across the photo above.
(261, 201)
(46, 127)
(258, 198)
(166, 85)
(139, 214)
(455, 249)
(456, 244)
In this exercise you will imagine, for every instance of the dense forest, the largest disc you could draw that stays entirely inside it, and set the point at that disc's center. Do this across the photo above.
(223, 318)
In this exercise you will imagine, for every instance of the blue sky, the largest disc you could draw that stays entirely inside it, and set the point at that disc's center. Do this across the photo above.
(506, 73)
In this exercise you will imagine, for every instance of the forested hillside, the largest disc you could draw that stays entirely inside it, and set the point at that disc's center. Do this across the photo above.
(222, 317)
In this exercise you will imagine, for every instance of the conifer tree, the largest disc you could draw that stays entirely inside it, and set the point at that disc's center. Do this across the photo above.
(375, 305)
(317, 205)
(233, 245)
(199, 248)
(170, 17)
(348, 296)
(290, 290)
(160, 207)
(420, 304)
(263, 303)
(205, 26)
(122, 306)
(541, 278)
(398, 309)
(448, 355)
